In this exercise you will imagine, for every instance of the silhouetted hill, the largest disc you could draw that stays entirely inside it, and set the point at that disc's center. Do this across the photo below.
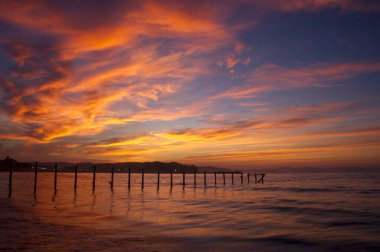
(149, 167)
(215, 169)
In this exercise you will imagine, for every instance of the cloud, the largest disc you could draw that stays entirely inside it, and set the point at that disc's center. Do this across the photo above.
(328, 155)
(54, 99)
(317, 75)
(315, 5)
(164, 80)
(269, 77)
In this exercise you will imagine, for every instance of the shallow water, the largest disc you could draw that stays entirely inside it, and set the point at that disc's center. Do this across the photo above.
(310, 212)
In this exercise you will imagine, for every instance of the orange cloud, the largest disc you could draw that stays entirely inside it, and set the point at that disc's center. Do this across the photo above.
(47, 104)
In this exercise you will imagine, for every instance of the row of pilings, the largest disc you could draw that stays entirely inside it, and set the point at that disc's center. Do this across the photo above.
(258, 177)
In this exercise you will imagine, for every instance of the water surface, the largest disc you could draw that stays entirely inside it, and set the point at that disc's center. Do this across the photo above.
(310, 212)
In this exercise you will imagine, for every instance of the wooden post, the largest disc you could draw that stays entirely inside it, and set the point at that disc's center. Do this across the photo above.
(255, 178)
(224, 178)
(158, 178)
(215, 178)
(204, 178)
(111, 184)
(75, 177)
(93, 177)
(241, 177)
(232, 177)
(55, 177)
(248, 177)
(10, 164)
(195, 179)
(35, 177)
(142, 178)
(183, 179)
(261, 180)
(171, 179)
(129, 177)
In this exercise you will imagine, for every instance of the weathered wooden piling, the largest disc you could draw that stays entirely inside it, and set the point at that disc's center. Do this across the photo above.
(129, 178)
(259, 177)
(142, 178)
(10, 166)
(93, 178)
(171, 179)
(112, 175)
(55, 177)
(35, 177)
(204, 178)
(195, 179)
(75, 176)
(158, 179)
(261, 180)
(183, 179)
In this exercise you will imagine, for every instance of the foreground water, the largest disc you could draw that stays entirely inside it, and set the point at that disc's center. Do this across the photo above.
(290, 212)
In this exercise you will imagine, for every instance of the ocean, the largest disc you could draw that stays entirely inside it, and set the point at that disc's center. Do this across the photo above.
(289, 212)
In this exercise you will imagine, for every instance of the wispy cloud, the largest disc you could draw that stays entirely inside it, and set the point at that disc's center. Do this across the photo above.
(316, 5)
(61, 100)
(269, 77)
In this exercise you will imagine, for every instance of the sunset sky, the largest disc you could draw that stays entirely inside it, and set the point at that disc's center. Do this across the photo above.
(234, 83)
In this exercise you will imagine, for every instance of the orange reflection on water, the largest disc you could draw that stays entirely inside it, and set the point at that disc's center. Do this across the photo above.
(240, 215)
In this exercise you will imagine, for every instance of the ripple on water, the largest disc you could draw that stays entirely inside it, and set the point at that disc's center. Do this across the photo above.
(308, 213)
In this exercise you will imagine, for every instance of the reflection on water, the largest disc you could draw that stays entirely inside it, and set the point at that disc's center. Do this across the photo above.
(314, 212)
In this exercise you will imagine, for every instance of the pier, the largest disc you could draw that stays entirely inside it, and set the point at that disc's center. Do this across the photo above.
(75, 169)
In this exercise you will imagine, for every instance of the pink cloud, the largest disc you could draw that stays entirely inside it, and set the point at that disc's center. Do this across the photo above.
(270, 77)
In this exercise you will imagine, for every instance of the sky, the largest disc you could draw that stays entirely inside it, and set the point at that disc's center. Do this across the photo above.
(233, 83)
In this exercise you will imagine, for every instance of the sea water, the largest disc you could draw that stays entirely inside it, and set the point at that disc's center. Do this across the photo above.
(289, 212)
